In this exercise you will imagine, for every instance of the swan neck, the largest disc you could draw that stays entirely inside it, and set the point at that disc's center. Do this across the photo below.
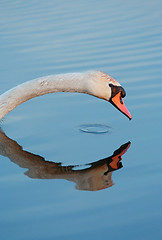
(74, 82)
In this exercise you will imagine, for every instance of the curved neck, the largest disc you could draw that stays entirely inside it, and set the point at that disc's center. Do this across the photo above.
(71, 82)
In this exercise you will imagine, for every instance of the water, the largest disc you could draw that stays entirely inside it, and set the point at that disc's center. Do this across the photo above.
(95, 128)
(56, 201)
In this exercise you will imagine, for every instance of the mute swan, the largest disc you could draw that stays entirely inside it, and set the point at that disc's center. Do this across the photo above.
(95, 83)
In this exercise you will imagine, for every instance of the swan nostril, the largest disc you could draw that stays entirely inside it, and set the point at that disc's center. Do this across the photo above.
(121, 100)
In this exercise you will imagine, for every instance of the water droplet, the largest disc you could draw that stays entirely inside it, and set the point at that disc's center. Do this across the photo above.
(95, 128)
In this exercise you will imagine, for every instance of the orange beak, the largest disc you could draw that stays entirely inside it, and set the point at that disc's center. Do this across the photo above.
(117, 101)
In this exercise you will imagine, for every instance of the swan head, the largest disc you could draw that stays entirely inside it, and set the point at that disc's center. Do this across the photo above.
(107, 88)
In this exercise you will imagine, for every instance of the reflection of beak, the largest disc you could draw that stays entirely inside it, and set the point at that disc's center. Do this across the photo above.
(118, 155)
(117, 101)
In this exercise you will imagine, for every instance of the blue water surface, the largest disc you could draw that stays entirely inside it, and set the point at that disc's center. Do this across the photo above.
(60, 196)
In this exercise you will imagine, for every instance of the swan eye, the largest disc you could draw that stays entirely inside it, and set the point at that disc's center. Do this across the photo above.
(123, 93)
(116, 89)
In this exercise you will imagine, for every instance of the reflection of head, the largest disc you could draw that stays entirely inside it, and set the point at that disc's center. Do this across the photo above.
(98, 175)
(95, 182)
(94, 176)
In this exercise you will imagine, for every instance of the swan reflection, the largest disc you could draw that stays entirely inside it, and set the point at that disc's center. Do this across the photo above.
(92, 177)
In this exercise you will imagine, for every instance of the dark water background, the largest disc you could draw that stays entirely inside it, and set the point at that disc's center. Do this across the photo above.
(121, 38)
